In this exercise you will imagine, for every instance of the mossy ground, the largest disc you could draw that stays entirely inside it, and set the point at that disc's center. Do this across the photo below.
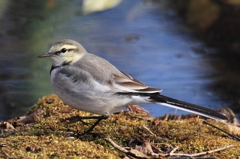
(48, 135)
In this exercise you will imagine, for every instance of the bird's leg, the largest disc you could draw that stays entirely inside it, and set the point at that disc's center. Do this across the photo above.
(81, 118)
(93, 126)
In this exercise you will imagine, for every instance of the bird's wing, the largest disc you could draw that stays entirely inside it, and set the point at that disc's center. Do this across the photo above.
(127, 83)
(105, 73)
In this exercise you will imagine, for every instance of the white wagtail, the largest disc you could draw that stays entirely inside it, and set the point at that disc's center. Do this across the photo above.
(90, 83)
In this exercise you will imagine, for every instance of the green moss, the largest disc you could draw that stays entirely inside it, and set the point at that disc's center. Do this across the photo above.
(48, 135)
(52, 146)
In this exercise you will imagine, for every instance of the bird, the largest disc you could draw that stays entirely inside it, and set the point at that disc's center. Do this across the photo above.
(90, 83)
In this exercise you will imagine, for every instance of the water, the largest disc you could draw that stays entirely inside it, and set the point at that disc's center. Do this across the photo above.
(142, 38)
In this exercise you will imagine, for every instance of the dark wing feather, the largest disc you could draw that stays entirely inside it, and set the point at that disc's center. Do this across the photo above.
(130, 84)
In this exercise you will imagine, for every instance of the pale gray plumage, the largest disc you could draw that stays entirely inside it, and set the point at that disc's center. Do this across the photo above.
(90, 83)
(89, 72)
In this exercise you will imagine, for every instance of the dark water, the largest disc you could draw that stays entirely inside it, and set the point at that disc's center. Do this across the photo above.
(142, 38)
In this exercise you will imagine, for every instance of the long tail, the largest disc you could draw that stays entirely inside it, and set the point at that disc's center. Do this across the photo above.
(170, 102)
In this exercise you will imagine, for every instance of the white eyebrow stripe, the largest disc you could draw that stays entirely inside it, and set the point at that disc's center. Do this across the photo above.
(68, 47)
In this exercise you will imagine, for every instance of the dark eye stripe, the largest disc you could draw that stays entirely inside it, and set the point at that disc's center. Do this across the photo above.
(71, 49)
(63, 51)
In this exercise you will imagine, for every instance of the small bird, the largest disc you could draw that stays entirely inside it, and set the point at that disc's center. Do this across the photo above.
(90, 83)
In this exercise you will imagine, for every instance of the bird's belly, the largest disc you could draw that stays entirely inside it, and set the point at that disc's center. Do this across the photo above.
(93, 100)
(95, 103)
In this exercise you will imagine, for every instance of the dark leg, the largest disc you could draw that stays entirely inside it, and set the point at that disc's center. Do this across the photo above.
(93, 126)
(80, 118)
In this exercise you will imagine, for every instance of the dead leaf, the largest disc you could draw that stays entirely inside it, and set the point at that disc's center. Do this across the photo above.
(6, 126)
(32, 117)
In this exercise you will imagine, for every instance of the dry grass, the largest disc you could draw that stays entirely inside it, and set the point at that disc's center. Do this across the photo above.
(46, 135)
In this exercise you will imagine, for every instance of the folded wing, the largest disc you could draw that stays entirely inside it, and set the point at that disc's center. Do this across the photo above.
(127, 83)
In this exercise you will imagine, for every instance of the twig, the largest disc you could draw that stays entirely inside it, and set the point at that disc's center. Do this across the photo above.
(202, 153)
(7, 154)
(233, 136)
(215, 150)
(146, 128)
(116, 145)
(173, 150)
(139, 154)
(132, 152)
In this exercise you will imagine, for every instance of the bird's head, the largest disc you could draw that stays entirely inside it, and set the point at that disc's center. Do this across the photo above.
(65, 51)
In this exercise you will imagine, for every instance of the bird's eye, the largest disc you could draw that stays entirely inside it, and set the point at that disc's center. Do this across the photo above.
(64, 50)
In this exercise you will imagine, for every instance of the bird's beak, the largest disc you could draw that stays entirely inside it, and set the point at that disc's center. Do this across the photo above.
(47, 54)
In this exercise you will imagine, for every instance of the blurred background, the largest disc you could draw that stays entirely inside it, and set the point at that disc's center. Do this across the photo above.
(189, 48)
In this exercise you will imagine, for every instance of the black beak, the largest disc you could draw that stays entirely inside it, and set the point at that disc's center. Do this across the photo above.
(47, 54)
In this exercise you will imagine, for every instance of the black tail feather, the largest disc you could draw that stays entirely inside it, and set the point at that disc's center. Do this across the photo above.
(158, 98)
